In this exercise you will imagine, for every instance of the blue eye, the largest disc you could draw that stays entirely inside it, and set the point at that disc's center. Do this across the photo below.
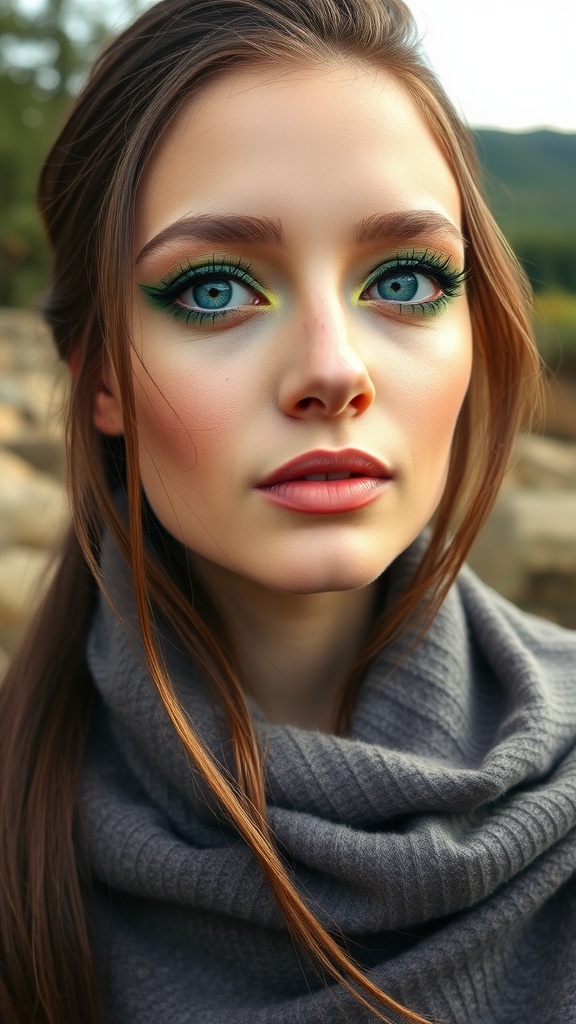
(405, 286)
(417, 283)
(209, 291)
(220, 293)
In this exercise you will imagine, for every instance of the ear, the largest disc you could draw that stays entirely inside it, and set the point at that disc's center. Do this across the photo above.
(107, 403)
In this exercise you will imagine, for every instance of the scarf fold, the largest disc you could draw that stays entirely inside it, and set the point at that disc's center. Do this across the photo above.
(439, 836)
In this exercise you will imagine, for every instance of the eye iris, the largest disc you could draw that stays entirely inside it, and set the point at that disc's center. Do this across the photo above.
(212, 295)
(401, 287)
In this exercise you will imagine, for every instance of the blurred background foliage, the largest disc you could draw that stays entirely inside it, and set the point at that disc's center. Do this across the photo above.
(45, 49)
(530, 179)
(40, 68)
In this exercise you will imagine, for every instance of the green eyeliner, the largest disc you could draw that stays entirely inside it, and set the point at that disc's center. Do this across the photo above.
(400, 272)
(165, 295)
(424, 264)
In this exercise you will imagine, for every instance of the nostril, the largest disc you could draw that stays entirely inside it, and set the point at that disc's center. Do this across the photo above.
(360, 402)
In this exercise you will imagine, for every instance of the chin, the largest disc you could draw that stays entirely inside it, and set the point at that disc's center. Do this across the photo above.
(317, 578)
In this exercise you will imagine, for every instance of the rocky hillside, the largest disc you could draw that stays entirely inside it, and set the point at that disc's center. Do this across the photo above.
(528, 552)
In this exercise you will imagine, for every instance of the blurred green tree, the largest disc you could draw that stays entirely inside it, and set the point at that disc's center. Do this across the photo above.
(46, 47)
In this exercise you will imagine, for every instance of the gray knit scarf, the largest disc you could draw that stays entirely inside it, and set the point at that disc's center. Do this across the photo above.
(439, 836)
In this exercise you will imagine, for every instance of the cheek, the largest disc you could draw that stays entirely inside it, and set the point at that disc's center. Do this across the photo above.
(186, 419)
(165, 423)
(431, 394)
(437, 403)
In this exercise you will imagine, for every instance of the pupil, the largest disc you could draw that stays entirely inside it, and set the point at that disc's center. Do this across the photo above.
(214, 295)
(401, 287)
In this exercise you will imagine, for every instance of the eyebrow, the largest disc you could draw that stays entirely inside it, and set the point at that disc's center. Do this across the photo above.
(406, 226)
(225, 229)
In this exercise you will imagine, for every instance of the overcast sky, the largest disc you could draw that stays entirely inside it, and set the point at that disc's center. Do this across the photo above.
(506, 63)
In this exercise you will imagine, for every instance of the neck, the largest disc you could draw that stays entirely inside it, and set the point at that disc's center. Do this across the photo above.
(293, 651)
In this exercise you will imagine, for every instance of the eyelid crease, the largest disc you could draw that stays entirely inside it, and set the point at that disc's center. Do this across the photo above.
(166, 292)
(238, 268)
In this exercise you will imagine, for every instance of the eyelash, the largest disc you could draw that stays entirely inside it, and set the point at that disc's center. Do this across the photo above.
(166, 294)
(429, 265)
(168, 291)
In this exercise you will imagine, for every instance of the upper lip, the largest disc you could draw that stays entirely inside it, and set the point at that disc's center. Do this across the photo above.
(347, 460)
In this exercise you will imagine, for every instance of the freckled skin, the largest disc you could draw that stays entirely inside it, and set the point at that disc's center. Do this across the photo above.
(219, 408)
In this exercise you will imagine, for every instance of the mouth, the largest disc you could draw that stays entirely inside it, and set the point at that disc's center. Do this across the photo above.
(328, 476)
(327, 482)
(321, 465)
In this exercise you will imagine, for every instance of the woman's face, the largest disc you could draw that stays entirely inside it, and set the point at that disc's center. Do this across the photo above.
(297, 293)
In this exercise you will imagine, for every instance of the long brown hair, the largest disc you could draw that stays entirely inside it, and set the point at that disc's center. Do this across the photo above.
(87, 194)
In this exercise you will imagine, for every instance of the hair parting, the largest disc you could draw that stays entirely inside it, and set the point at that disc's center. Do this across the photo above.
(87, 195)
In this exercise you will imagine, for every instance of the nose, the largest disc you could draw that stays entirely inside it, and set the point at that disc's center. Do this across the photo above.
(326, 375)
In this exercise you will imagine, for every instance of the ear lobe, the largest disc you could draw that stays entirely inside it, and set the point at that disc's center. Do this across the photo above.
(107, 404)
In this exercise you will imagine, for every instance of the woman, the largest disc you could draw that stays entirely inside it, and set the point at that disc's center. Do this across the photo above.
(262, 738)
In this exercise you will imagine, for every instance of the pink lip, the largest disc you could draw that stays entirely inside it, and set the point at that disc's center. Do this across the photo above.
(285, 487)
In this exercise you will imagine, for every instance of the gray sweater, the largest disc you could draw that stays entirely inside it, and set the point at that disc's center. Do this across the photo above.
(439, 835)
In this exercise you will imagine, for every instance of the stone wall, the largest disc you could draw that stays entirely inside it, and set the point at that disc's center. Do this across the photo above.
(528, 551)
(33, 506)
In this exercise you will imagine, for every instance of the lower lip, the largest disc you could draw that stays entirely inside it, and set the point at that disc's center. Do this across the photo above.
(325, 497)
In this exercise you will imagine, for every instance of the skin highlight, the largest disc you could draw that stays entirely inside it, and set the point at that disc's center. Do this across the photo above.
(308, 364)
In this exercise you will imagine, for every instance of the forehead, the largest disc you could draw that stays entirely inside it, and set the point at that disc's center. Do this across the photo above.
(327, 143)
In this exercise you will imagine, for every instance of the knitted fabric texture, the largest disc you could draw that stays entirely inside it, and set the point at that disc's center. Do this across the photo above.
(439, 836)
